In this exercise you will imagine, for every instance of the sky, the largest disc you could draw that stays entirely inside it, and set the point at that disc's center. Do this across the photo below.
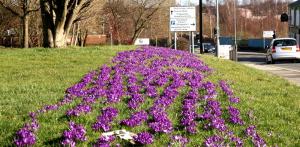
(196, 2)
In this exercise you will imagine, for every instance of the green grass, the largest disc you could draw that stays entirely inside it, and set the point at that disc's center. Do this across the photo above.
(274, 101)
(31, 78)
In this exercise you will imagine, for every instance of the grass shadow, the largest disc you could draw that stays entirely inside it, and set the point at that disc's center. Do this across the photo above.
(54, 142)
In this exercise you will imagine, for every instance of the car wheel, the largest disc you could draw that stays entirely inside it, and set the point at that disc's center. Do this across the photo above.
(294, 61)
(269, 59)
(272, 60)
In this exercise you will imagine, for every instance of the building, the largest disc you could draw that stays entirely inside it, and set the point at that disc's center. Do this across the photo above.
(294, 20)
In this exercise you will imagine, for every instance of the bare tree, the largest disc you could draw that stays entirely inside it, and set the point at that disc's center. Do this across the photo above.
(58, 17)
(136, 14)
(22, 9)
(142, 13)
(117, 14)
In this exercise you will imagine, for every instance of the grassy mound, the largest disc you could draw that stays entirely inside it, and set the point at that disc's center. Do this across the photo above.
(266, 101)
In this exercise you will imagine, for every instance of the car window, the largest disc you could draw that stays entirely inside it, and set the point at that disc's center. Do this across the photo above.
(286, 42)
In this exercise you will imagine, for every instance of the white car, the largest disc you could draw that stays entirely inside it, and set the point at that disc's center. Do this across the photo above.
(281, 49)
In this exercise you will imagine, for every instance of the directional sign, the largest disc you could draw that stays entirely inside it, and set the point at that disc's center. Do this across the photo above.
(142, 41)
(268, 34)
(184, 2)
(182, 19)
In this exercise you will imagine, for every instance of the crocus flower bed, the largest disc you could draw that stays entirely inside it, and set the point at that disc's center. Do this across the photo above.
(149, 81)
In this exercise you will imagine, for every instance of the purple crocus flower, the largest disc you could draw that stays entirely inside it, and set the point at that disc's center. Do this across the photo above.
(144, 138)
(214, 141)
(225, 87)
(234, 99)
(136, 119)
(75, 133)
(235, 116)
(104, 141)
(146, 71)
(238, 142)
(104, 120)
(135, 101)
(229, 92)
(25, 137)
(256, 139)
(178, 139)
(210, 89)
(79, 109)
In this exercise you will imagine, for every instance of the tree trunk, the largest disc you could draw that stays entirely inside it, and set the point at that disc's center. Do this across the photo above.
(73, 35)
(25, 31)
(58, 17)
(47, 37)
(60, 38)
(77, 33)
(47, 26)
(136, 35)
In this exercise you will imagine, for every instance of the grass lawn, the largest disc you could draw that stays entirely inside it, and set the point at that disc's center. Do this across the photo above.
(32, 78)
(274, 102)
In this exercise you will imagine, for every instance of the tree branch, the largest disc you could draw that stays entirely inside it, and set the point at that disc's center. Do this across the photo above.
(33, 10)
(10, 9)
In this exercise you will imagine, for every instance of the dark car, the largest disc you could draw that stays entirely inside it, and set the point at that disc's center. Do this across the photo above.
(208, 48)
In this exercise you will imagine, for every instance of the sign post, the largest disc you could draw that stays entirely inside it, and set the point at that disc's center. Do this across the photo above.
(182, 19)
(175, 41)
(193, 43)
(267, 34)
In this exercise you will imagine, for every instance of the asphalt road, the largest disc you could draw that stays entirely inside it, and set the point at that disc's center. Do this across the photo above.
(286, 69)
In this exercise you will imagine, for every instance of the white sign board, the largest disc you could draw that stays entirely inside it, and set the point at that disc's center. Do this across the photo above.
(142, 41)
(182, 19)
(268, 34)
(184, 2)
(224, 51)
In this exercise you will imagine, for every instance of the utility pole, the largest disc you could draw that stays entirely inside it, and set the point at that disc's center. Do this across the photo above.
(218, 29)
(200, 27)
(235, 26)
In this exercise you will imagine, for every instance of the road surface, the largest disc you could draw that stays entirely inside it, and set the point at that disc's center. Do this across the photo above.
(286, 69)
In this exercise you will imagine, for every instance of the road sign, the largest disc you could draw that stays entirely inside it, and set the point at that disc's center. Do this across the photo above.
(268, 34)
(142, 41)
(184, 2)
(182, 19)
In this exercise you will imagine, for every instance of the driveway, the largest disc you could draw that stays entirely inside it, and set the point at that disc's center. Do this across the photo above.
(285, 69)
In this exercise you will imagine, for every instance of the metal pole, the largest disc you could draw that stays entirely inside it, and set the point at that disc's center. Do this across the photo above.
(235, 26)
(190, 34)
(218, 29)
(175, 41)
(111, 40)
(11, 41)
(193, 43)
(264, 43)
(190, 42)
(200, 27)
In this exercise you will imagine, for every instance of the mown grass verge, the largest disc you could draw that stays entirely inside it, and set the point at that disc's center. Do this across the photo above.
(272, 101)
(32, 78)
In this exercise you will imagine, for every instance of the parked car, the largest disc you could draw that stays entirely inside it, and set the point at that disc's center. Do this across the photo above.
(281, 49)
(208, 48)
